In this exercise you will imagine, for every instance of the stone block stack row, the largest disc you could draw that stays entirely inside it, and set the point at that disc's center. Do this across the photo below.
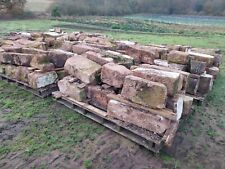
(150, 87)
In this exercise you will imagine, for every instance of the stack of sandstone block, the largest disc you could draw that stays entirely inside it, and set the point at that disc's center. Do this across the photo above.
(145, 86)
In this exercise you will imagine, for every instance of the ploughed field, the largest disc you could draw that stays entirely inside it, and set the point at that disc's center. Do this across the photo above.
(38, 130)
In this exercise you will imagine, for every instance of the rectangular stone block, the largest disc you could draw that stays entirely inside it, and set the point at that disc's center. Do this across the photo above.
(188, 101)
(98, 58)
(197, 67)
(218, 58)
(99, 96)
(160, 62)
(41, 62)
(71, 87)
(38, 80)
(83, 69)
(178, 67)
(138, 117)
(176, 104)
(214, 71)
(33, 51)
(205, 84)
(193, 83)
(13, 49)
(144, 92)
(59, 57)
(114, 74)
(119, 58)
(178, 57)
(83, 48)
(171, 80)
(19, 59)
(67, 46)
(208, 59)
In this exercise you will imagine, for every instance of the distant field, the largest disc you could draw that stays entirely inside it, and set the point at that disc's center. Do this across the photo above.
(38, 5)
(182, 19)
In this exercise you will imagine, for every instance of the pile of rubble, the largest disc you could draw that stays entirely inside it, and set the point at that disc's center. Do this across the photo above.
(150, 87)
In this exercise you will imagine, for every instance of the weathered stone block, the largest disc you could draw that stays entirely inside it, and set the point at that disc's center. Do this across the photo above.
(171, 80)
(41, 62)
(176, 104)
(33, 51)
(69, 86)
(83, 68)
(160, 62)
(138, 117)
(188, 101)
(178, 66)
(98, 58)
(67, 46)
(178, 57)
(99, 96)
(193, 83)
(144, 92)
(114, 74)
(208, 59)
(214, 71)
(59, 57)
(205, 84)
(39, 80)
(13, 49)
(119, 58)
(197, 67)
(83, 48)
(218, 60)
(19, 59)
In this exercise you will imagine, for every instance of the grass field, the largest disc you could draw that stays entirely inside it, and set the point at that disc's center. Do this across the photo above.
(47, 127)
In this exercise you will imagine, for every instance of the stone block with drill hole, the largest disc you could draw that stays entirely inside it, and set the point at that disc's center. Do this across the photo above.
(188, 101)
(82, 68)
(83, 48)
(172, 80)
(98, 58)
(71, 87)
(178, 57)
(193, 84)
(138, 117)
(205, 84)
(38, 80)
(197, 67)
(114, 74)
(176, 104)
(59, 57)
(119, 58)
(144, 92)
(99, 96)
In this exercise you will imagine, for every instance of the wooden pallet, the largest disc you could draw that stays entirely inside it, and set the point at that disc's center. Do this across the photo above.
(145, 138)
(42, 92)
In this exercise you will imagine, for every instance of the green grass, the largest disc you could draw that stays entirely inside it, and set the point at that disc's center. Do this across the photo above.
(52, 127)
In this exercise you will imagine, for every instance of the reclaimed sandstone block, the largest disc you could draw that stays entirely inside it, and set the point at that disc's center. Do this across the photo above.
(41, 62)
(98, 58)
(217, 60)
(83, 48)
(38, 80)
(178, 66)
(184, 75)
(205, 84)
(172, 80)
(160, 62)
(23, 73)
(59, 57)
(138, 117)
(214, 71)
(197, 67)
(144, 92)
(13, 49)
(71, 87)
(193, 84)
(61, 74)
(176, 104)
(33, 51)
(208, 59)
(11, 71)
(99, 96)
(67, 46)
(119, 58)
(19, 59)
(178, 57)
(83, 69)
(188, 101)
(206, 51)
(114, 74)
(124, 45)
